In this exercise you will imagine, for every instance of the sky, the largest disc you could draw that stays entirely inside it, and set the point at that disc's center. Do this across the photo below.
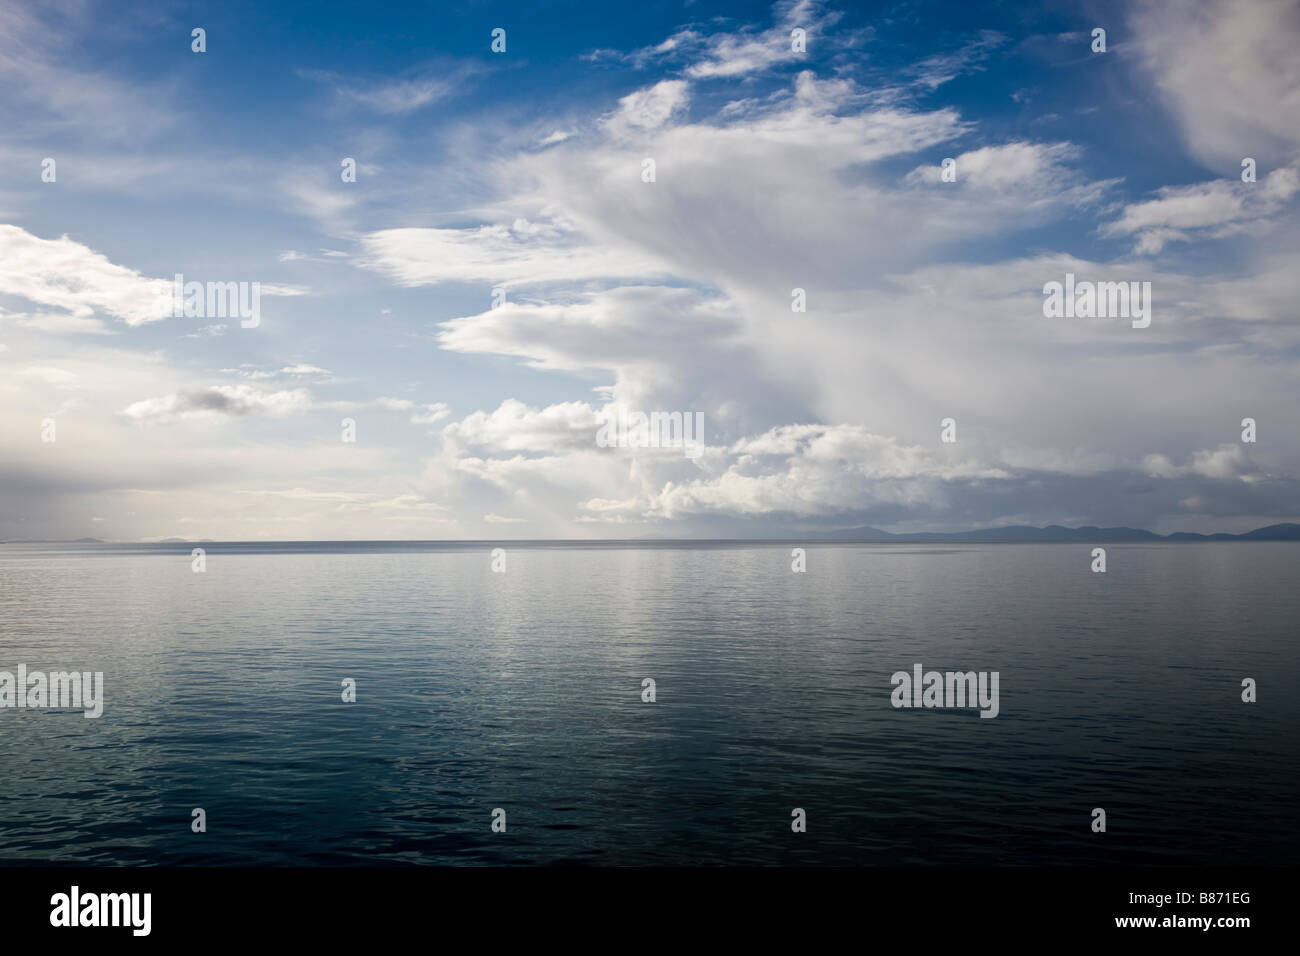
(503, 274)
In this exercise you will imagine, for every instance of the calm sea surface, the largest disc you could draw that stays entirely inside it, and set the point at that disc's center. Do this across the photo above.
(522, 690)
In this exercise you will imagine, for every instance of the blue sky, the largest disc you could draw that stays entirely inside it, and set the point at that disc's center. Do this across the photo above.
(521, 170)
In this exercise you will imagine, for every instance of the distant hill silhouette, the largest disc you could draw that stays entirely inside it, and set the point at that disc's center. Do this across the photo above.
(1055, 532)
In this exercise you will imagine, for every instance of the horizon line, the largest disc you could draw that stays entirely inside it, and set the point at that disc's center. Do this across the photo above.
(1021, 534)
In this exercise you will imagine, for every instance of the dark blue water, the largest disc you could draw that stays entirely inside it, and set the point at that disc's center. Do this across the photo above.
(522, 690)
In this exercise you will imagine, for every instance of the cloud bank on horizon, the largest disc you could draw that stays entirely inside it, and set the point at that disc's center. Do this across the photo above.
(826, 230)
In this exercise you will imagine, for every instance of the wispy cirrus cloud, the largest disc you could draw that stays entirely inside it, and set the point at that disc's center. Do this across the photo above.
(705, 52)
(522, 252)
(934, 71)
(421, 87)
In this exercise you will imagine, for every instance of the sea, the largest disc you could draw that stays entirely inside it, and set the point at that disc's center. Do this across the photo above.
(486, 703)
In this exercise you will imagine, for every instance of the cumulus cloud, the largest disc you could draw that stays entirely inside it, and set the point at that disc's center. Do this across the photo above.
(830, 475)
(515, 427)
(819, 469)
(790, 191)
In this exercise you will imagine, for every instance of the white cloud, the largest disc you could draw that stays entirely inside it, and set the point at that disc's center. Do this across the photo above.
(518, 254)
(1229, 74)
(301, 370)
(515, 427)
(1205, 210)
(421, 414)
(1019, 166)
(727, 55)
(217, 403)
(648, 109)
(68, 275)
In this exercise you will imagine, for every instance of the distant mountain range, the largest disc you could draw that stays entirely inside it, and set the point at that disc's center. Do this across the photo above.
(1055, 532)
